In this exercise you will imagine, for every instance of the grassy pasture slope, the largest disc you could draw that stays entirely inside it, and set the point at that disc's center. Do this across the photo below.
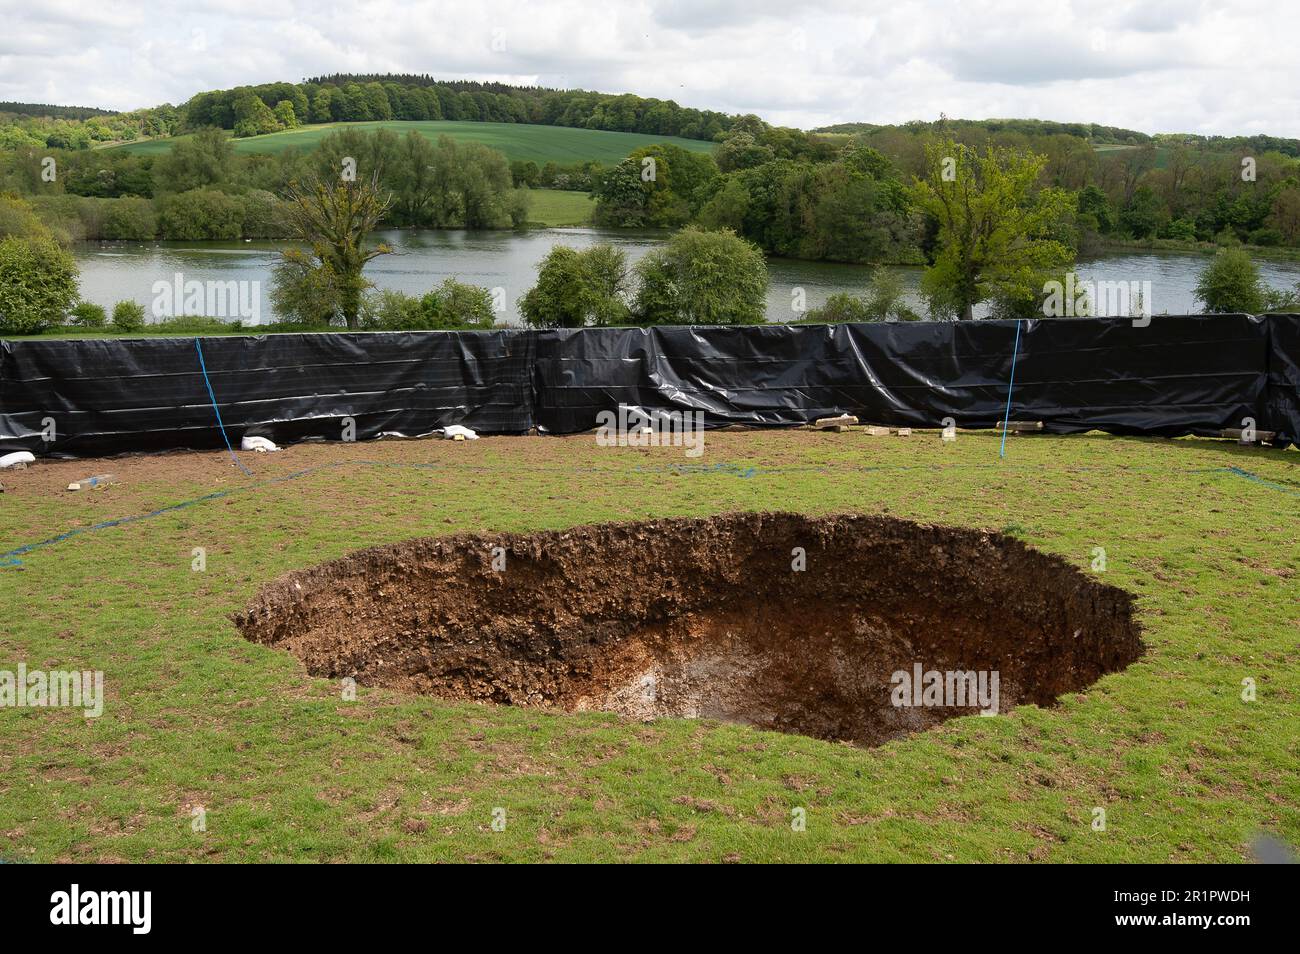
(541, 144)
(287, 770)
(558, 208)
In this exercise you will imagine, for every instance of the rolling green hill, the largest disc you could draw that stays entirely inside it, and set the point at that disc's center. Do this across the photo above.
(541, 144)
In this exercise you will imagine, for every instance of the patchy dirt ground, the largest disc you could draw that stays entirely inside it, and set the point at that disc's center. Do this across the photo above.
(708, 618)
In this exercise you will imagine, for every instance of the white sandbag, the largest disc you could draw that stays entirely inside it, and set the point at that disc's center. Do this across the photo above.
(455, 432)
(16, 458)
(259, 444)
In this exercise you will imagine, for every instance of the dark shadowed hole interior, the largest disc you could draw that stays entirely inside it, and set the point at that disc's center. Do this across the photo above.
(709, 618)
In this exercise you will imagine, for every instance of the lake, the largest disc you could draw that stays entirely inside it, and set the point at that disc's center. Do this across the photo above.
(111, 272)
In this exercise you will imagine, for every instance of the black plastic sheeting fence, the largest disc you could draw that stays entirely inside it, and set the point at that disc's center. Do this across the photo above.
(1174, 376)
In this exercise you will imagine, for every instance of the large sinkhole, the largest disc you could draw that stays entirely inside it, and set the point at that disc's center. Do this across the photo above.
(847, 627)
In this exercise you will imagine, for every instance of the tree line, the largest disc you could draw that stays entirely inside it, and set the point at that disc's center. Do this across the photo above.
(850, 199)
(252, 110)
(1095, 133)
(202, 190)
(59, 127)
(270, 107)
(994, 244)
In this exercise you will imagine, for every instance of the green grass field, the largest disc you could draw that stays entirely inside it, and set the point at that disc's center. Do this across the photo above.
(542, 144)
(558, 208)
(1163, 153)
(286, 770)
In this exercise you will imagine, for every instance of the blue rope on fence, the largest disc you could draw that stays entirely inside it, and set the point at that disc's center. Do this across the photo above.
(1006, 418)
(204, 368)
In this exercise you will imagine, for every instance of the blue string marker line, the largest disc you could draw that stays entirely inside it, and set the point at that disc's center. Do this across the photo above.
(1237, 471)
(1006, 418)
(12, 557)
(204, 368)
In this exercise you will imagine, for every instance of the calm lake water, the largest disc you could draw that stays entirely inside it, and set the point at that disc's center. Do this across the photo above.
(111, 272)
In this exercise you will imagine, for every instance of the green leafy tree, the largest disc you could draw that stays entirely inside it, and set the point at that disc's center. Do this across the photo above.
(415, 179)
(1285, 215)
(622, 196)
(204, 159)
(1094, 210)
(658, 186)
(1285, 300)
(885, 300)
(128, 316)
(859, 213)
(200, 215)
(253, 117)
(995, 229)
(130, 220)
(301, 105)
(19, 219)
(517, 203)
(377, 100)
(355, 151)
(452, 306)
(38, 283)
(852, 209)
(1145, 214)
(285, 115)
(886, 297)
(304, 291)
(334, 217)
(388, 310)
(1231, 283)
(707, 278)
(525, 173)
(740, 150)
(321, 109)
(87, 314)
(354, 104)
(840, 307)
(263, 215)
(444, 184)
(728, 207)
(579, 288)
(481, 182)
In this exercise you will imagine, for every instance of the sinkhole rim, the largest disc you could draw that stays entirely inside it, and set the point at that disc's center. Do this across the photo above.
(705, 617)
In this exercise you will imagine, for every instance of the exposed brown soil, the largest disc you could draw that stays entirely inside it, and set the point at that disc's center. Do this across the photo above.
(706, 618)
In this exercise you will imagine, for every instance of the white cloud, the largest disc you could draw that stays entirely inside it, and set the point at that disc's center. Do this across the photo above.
(1155, 65)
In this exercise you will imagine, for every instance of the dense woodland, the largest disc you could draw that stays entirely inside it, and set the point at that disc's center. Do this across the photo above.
(53, 112)
(251, 110)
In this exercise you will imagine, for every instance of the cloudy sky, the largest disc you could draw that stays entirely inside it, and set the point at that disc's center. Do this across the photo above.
(1220, 66)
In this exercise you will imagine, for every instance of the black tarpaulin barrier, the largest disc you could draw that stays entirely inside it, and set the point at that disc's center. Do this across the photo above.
(113, 395)
(1173, 376)
(1282, 380)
